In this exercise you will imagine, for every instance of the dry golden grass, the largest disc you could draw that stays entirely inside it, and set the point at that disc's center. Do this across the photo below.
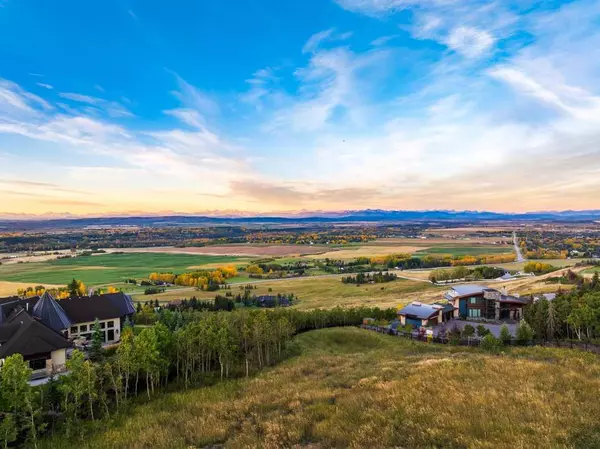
(10, 288)
(358, 389)
(368, 251)
(328, 292)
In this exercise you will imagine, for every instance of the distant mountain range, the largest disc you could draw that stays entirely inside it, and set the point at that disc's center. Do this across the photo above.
(307, 217)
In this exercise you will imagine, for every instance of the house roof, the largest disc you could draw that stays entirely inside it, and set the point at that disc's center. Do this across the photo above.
(513, 299)
(25, 335)
(419, 310)
(86, 309)
(49, 312)
(12, 303)
(122, 301)
(506, 277)
(468, 289)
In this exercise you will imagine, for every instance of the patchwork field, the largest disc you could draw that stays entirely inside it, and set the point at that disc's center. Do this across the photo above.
(254, 250)
(105, 268)
(348, 387)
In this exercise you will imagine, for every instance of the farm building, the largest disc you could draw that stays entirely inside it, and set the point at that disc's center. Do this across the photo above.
(476, 301)
(419, 314)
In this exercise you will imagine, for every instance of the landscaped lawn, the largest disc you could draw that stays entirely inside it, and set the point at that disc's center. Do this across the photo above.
(461, 250)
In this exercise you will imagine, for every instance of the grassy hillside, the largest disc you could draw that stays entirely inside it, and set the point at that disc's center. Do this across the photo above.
(354, 388)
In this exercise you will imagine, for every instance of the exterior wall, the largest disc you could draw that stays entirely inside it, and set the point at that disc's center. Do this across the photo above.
(403, 320)
(116, 326)
(59, 358)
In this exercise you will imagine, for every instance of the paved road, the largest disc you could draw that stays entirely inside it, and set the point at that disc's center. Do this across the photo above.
(520, 257)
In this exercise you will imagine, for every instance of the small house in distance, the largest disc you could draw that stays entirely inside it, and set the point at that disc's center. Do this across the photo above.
(418, 314)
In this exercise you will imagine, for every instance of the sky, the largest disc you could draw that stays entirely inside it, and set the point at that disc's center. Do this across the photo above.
(255, 106)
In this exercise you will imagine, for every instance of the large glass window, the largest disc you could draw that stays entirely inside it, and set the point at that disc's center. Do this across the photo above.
(475, 313)
(473, 300)
(110, 324)
(74, 330)
(83, 328)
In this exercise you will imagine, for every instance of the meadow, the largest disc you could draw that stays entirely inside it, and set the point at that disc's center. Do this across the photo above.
(105, 269)
(326, 292)
(347, 387)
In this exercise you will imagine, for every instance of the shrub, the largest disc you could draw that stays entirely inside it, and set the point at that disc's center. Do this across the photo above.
(490, 343)
(468, 331)
(482, 331)
(505, 335)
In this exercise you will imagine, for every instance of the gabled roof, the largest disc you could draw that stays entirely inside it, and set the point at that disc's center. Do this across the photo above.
(25, 335)
(419, 310)
(49, 312)
(13, 303)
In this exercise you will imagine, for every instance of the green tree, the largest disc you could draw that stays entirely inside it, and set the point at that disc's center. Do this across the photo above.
(96, 351)
(524, 333)
(490, 343)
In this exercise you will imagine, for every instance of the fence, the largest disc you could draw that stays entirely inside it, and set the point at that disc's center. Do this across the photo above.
(476, 341)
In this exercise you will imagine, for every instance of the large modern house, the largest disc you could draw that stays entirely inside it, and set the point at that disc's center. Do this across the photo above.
(41, 328)
(476, 301)
(42, 347)
(468, 301)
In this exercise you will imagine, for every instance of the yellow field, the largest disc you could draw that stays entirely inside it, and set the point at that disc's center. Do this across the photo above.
(10, 288)
(367, 251)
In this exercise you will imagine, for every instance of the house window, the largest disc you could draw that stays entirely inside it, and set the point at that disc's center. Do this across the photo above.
(111, 324)
(473, 300)
(74, 330)
(475, 313)
(83, 328)
(102, 325)
(37, 364)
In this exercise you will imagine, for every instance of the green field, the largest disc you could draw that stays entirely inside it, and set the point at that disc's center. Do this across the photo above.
(105, 268)
(347, 387)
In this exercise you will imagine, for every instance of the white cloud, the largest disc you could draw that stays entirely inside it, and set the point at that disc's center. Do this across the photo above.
(470, 41)
(111, 108)
(315, 40)
(45, 86)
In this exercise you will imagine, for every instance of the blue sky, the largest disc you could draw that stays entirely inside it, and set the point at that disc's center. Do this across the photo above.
(260, 106)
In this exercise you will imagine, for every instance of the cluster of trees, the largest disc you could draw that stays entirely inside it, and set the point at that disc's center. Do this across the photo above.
(538, 268)
(560, 243)
(571, 315)
(460, 273)
(185, 349)
(270, 270)
(73, 288)
(367, 278)
(208, 280)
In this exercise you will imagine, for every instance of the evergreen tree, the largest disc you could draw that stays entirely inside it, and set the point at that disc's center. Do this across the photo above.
(505, 335)
(524, 333)
(96, 351)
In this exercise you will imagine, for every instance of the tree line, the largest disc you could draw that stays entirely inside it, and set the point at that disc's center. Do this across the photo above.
(182, 349)
(368, 278)
(571, 315)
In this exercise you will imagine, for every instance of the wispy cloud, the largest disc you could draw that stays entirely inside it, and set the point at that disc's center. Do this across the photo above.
(45, 86)
(111, 108)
